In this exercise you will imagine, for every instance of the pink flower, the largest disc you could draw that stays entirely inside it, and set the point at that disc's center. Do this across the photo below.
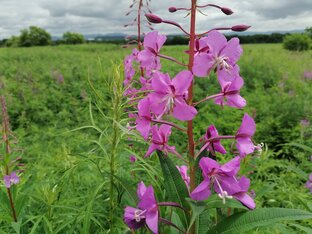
(222, 55)
(230, 87)
(143, 121)
(132, 159)
(128, 66)
(183, 171)
(160, 140)
(169, 95)
(11, 179)
(213, 145)
(146, 212)
(243, 136)
(309, 183)
(152, 45)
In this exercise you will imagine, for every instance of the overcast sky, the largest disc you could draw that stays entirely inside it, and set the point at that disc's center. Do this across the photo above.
(108, 16)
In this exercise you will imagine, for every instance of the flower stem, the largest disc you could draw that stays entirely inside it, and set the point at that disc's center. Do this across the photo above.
(12, 205)
(171, 59)
(170, 124)
(207, 98)
(165, 221)
(191, 143)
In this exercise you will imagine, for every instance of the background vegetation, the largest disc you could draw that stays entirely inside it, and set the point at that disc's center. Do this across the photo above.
(65, 186)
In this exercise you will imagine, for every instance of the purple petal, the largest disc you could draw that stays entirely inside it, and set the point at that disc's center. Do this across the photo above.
(202, 191)
(146, 57)
(7, 181)
(141, 190)
(148, 199)
(157, 104)
(182, 82)
(218, 147)
(152, 219)
(233, 50)
(235, 100)
(129, 218)
(143, 126)
(151, 149)
(202, 65)
(232, 167)
(248, 126)
(182, 111)
(216, 41)
(244, 146)
(228, 184)
(161, 82)
(165, 130)
(207, 165)
(246, 200)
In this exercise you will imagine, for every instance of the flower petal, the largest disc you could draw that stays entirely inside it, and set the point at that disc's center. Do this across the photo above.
(182, 82)
(182, 111)
(202, 191)
(152, 219)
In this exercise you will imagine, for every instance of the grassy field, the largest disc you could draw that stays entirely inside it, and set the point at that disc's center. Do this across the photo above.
(64, 188)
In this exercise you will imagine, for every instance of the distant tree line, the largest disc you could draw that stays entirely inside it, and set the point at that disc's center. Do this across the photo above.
(35, 36)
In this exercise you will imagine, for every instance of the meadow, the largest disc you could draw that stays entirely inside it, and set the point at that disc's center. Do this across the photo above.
(69, 118)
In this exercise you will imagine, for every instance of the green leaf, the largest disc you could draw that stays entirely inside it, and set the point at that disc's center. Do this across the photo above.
(176, 220)
(249, 220)
(128, 187)
(197, 208)
(202, 223)
(215, 202)
(302, 228)
(175, 187)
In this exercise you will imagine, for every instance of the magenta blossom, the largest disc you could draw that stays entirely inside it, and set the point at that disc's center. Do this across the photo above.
(169, 95)
(146, 212)
(309, 183)
(243, 136)
(201, 46)
(222, 177)
(213, 144)
(230, 90)
(143, 121)
(160, 140)
(128, 66)
(11, 179)
(133, 159)
(224, 182)
(183, 171)
(222, 55)
(152, 45)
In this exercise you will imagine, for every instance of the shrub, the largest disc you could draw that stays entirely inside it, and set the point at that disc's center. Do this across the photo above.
(73, 38)
(34, 36)
(297, 42)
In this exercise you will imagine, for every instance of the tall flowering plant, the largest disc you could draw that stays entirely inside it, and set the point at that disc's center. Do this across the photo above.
(162, 104)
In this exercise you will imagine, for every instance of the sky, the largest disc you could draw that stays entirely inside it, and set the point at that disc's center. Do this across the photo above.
(108, 16)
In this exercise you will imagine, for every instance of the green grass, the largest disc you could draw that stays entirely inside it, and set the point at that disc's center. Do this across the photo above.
(62, 190)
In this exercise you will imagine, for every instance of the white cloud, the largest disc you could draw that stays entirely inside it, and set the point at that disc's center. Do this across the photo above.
(108, 16)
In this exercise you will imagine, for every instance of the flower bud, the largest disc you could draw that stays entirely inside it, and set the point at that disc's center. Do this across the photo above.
(240, 28)
(153, 18)
(226, 10)
(172, 9)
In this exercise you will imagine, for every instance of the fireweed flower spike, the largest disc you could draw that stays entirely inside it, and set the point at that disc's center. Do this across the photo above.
(169, 95)
(222, 55)
(243, 136)
(146, 212)
(143, 121)
(11, 179)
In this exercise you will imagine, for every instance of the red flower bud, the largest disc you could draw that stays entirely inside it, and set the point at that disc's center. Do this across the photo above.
(226, 10)
(153, 18)
(172, 9)
(240, 28)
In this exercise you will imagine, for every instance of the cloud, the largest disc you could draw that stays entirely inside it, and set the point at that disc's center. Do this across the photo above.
(108, 16)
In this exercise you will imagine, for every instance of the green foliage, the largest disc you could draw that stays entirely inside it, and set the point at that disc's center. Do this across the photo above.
(297, 42)
(73, 38)
(66, 180)
(34, 36)
(309, 31)
(250, 220)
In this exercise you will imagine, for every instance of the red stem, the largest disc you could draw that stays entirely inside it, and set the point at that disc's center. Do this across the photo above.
(139, 31)
(207, 98)
(12, 205)
(191, 143)
(171, 59)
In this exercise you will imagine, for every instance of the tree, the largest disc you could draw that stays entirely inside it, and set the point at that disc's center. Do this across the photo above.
(309, 31)
(73, 38)
(297, 42)
(34, 36)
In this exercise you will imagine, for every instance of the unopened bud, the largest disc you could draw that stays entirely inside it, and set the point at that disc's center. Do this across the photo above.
(172, 9)
(153, 18)
(240, 28)
(227, 11)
